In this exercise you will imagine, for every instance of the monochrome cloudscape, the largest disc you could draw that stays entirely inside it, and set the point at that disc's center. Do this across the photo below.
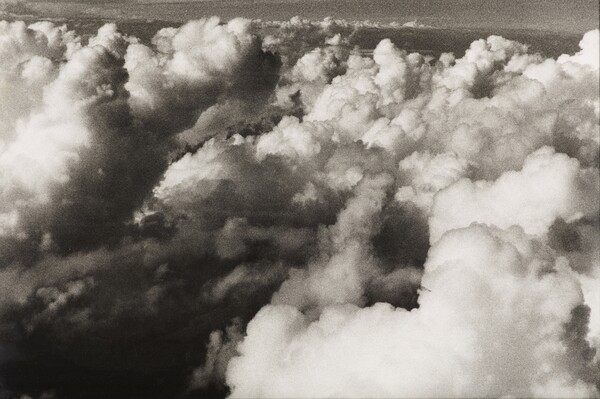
(261, 209)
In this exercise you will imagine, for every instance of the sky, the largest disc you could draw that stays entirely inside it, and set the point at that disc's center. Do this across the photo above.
(552, 15)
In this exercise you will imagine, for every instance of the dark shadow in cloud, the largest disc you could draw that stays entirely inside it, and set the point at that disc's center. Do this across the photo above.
(403, 239)
(582, 354)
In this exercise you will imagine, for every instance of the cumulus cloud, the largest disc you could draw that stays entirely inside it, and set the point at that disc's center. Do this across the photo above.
(99, 136)
(262, 209)
(492, 322)
(499, 312)
(549, 186)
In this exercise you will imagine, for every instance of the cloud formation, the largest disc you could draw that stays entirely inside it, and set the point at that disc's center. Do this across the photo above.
(235, 209)
(497, 309)
(490, 323)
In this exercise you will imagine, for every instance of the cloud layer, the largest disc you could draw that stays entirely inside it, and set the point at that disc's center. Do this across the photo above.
(281, 214)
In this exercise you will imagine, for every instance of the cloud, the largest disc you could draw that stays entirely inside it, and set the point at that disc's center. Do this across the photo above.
(220, 349)
(260, 207)
(549, 186)
(114, 146)
(481, 284)
(473, 331)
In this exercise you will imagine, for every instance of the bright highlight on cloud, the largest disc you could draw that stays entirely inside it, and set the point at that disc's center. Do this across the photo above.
(492, 322)
(269, 216)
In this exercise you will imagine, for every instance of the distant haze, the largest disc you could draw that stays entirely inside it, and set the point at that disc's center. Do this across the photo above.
(551, 15)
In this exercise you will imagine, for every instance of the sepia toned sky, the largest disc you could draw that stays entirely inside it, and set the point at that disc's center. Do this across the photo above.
(552, 15)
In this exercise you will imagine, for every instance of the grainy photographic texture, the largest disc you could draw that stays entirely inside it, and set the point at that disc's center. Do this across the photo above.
(299, 199)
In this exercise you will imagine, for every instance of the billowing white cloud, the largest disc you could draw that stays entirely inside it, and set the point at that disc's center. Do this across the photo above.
(109, 112)
(410, 225)
(549, 186)
(499, 311)
(491, 323)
